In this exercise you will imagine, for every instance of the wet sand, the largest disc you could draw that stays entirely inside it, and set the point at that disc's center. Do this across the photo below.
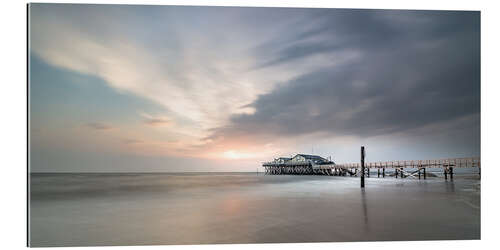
(152, 209)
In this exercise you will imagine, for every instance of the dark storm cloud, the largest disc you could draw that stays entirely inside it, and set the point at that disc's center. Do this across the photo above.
(415, 68)
(369, 30)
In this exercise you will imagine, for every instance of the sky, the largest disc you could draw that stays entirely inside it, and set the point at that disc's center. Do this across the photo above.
(135, 88)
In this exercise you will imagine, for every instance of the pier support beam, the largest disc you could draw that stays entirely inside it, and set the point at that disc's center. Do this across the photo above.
(362, 167)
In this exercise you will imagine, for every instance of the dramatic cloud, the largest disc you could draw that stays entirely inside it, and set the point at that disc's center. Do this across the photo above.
(238, 83)
(198, 69)
(414, 69)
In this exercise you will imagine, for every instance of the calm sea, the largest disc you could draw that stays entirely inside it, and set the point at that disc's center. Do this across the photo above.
(98, 209)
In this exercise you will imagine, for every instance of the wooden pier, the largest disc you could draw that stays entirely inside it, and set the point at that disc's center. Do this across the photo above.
(400, 169)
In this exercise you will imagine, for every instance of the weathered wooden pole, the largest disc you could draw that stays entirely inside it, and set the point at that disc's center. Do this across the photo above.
(362, 167)
(478, 166)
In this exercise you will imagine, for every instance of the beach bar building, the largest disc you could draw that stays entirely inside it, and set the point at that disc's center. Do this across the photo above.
(301, 164)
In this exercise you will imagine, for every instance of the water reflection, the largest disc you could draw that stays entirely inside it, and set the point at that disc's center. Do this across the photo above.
(365, 208)
(450, 186)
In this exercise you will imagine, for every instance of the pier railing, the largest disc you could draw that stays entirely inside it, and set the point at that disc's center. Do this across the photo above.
(469, 162)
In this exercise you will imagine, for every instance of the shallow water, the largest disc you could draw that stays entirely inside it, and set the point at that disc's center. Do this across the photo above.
(203, 208)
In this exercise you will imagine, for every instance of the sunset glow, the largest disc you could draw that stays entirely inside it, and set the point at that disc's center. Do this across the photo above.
(231, 154)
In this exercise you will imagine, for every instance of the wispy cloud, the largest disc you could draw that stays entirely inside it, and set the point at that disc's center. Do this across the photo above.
(201, 72)
(157, 122)
(99, 126)
(132, 141)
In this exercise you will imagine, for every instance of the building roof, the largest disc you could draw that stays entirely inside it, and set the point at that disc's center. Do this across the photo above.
(313, 157)
(316, 159)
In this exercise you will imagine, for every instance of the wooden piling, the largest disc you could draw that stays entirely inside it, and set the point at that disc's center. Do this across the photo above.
(479, 167)
(362, 167)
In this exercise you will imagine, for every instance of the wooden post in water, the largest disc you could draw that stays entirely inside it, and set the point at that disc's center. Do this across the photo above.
(478, 166)
(362, 167)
